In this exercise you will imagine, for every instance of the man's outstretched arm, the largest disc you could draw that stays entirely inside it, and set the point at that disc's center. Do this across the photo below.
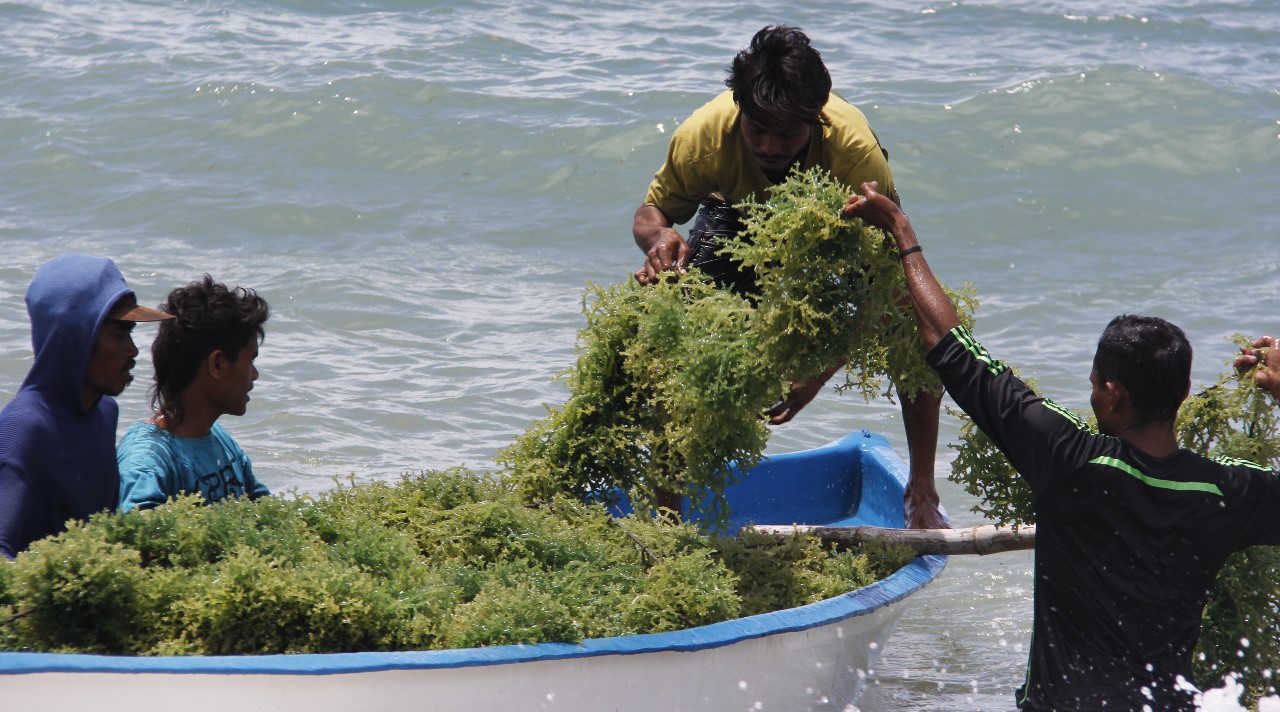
(935, 314)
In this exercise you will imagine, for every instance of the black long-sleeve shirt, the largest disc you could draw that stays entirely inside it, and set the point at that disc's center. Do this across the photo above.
(1127, 545)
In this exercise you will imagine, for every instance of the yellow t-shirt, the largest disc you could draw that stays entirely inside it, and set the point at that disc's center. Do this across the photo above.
(708, 156)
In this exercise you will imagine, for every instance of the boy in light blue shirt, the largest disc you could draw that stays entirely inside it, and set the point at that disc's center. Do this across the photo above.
(204, 369)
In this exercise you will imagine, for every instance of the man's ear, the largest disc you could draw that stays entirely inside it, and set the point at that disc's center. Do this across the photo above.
(217, 364)
(1119, 396)
(1116, 398)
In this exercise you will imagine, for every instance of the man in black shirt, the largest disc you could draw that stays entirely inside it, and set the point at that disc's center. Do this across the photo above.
(1131, 529)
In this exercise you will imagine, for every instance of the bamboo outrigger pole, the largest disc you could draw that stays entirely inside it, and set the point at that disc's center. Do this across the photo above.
(980, 540)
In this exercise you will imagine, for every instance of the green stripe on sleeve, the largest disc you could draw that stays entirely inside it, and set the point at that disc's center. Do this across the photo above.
(1070, 416)
(1154, 482)
(1237, 462)
(970, 344)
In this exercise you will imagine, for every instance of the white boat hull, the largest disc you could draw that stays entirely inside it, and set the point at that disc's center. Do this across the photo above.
(816, 669)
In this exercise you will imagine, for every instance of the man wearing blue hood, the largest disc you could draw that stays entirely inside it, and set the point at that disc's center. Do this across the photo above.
(57, 435)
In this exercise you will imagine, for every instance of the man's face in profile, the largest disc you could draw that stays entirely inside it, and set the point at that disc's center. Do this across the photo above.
(114, 353)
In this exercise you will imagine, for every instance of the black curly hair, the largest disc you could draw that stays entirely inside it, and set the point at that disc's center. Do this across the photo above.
(208, 317)
(780, 78)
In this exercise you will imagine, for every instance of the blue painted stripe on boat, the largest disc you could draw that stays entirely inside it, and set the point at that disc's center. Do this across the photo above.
(865, 600)
(861, 602)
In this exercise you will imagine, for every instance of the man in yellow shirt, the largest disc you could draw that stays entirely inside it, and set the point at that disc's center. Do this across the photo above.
(777, 114)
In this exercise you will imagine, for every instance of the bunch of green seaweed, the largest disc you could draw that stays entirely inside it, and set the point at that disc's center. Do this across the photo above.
(672, 379)
(1240, 631)
(439, 560)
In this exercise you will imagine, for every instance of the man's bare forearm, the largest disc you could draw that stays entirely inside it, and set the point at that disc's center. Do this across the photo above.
(647, 226)
(935, 314)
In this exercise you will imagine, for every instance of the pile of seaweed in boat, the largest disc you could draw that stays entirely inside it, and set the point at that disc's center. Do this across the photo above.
(670, 388)
(438, 560)
(1233, 418)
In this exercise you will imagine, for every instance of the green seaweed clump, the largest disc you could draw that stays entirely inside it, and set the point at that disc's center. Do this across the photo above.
(798, 570)
(439, 560)
(667, 392)
(833, 290)
(672, 379)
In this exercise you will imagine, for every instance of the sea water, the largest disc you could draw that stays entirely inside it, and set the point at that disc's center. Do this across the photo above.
(422, 190)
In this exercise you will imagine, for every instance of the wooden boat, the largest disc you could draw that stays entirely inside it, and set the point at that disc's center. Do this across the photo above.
(812, 657)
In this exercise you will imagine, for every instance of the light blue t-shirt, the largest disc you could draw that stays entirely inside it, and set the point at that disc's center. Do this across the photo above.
(156, 465)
